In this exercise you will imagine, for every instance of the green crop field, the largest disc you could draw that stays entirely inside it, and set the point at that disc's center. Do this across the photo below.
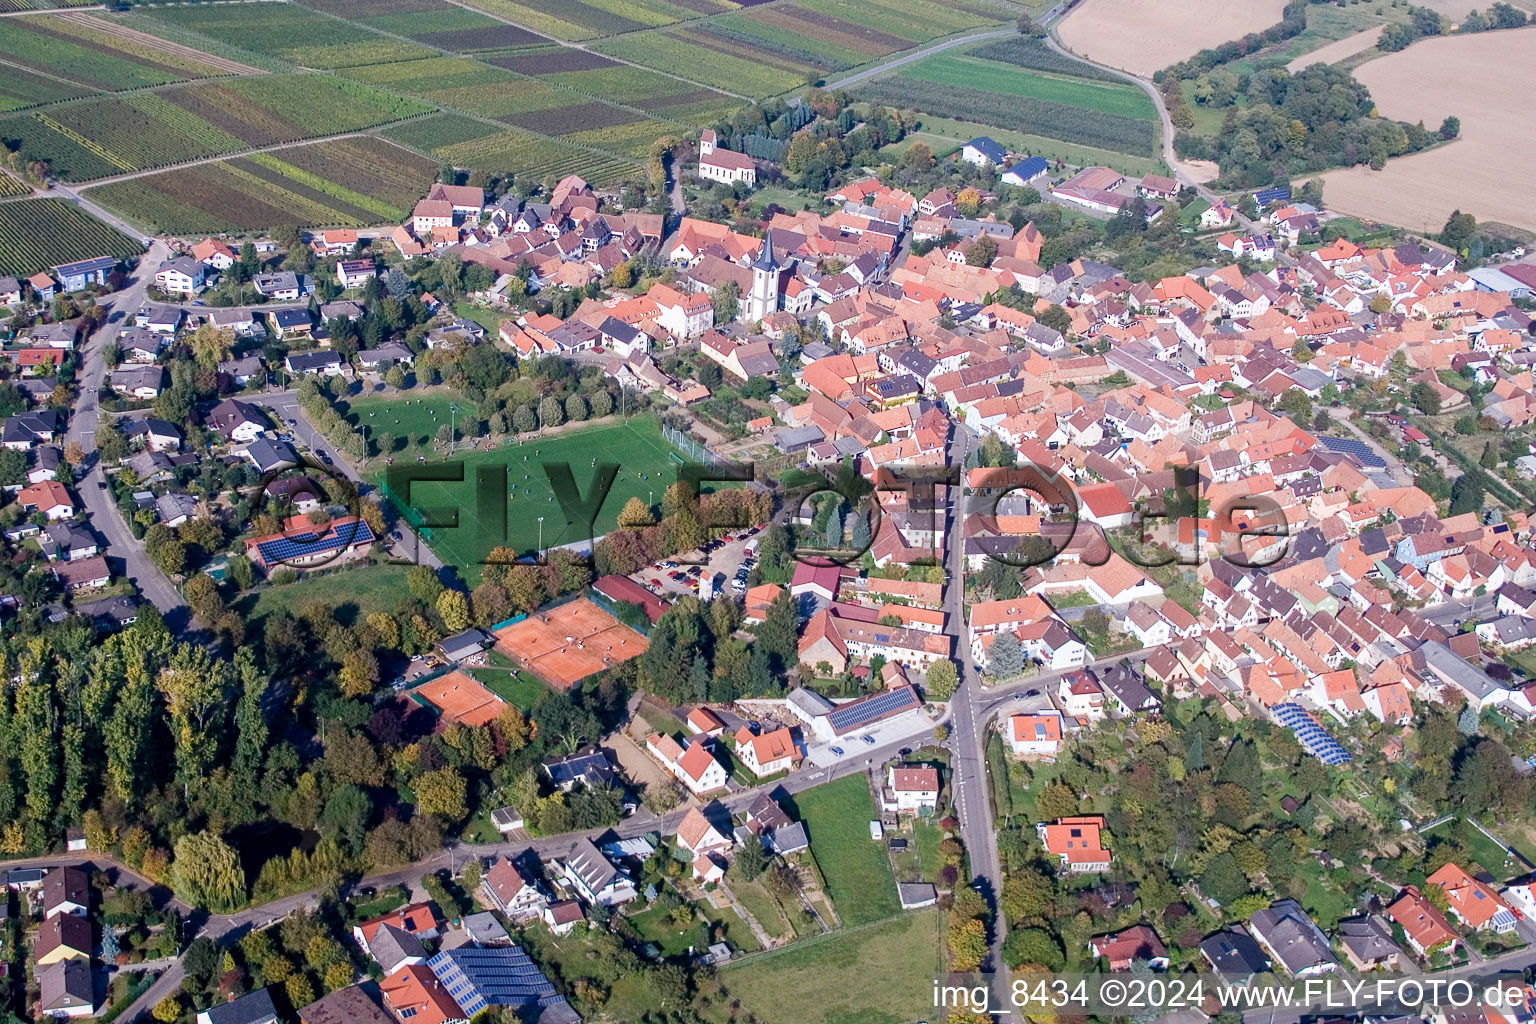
(1071, 124)
(526, 153)
(90, 58)
(1120, 98)
(588, 19)
(36, 234)
(646, 469)
(344, 182)
(882, 974)
(108, 135)
(714, 60)
(859, 879)
(291, 33)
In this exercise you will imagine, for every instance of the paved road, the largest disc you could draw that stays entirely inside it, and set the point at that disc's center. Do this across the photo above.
(968, 731)
(896, 62)
(101, 510)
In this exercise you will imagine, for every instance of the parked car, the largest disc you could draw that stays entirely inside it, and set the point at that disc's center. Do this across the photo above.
(838, 751)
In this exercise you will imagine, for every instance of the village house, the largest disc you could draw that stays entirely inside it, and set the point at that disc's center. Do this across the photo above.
(1075, 843)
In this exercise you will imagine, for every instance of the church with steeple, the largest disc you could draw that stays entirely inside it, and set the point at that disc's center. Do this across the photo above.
(764, 297)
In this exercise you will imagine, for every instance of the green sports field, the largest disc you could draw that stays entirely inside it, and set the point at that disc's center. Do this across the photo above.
(647, 466)
(407, 422)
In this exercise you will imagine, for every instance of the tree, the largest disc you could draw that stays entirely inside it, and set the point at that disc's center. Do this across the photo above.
(576, 409)
(1295, 404)
(1056, 800)
(967, 944)
(919, 156)
(727, 302)
(167, 1010)
(453, 608)
(1056, 318)
(206, 873)
(345, 818)
(360, 672)
(1467, 494)
(1450, 128)
(110, 441)
(1032, 946)
(750, 861)
(1222, 880)
(1005, 657)
(1459, 231)
(551, 412)
(941, 679)
(1026, 893)
(423, 583)
(442, 793)
(635, 515)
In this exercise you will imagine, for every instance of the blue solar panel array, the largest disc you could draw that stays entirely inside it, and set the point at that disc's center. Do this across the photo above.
(314, 542)
(1310, 735)
(872, 709)
(481, 978)
(1360, 450)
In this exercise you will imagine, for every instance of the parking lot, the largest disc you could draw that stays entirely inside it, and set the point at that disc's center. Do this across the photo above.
(679, 575)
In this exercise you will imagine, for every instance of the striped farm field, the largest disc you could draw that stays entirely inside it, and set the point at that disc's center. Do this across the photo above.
(526, 154)
(433, 22)
(305, 38)
(343, 183)
(597, 76)
(714, 60)
(630, 139)
(914, 20)
(9, 186)
(20, 89)
(81, 50)
(467, 85)
(36, 234)
(110, 135)
(431, 134)
(589, 19)
(1119, 98)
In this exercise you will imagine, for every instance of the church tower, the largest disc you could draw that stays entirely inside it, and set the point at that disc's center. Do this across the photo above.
(765, 283)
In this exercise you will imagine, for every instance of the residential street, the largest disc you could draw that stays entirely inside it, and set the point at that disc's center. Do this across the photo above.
(102, 512)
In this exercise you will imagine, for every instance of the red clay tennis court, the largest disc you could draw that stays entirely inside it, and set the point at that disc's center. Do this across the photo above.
(460, 698)
(564, 645)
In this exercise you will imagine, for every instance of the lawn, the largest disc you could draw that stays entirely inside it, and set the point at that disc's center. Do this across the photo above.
(926, 838)
(646, 467)
(882, 974)
(653, 926)
(516, 688)
(485, 316)
(857, 873)
(760, 905)
(1488, 854)
(354, 593)
(631, 998)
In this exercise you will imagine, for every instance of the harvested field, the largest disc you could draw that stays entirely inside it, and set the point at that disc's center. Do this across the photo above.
(565, 644)
(1486, 172)
(1143, 36)
(460, 699)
